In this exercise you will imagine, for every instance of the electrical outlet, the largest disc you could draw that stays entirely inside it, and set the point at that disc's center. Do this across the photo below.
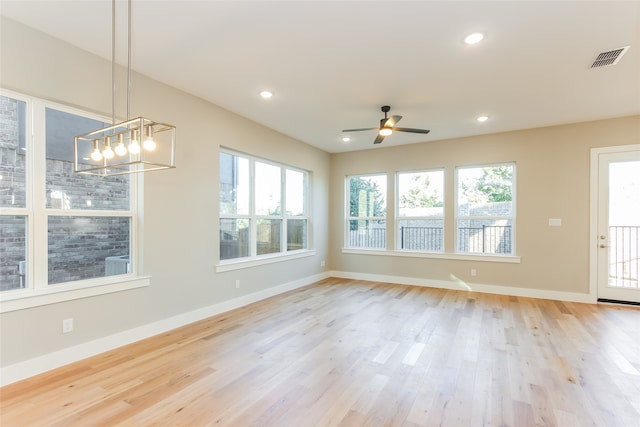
(474, 272)
(322, 263)
(67, 326)
(237, 283)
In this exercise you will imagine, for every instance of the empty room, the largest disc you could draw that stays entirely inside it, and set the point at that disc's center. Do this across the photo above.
(319, 213)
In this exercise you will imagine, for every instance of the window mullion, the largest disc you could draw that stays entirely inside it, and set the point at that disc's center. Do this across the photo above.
(283, 210)
(36, 186)
(253, 222)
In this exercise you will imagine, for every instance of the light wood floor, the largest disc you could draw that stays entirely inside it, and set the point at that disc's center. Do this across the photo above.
(350, 353)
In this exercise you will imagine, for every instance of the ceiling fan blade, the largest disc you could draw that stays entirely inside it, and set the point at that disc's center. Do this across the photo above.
(378, 139)
(391, 121)
(412, 130)
(358, 130)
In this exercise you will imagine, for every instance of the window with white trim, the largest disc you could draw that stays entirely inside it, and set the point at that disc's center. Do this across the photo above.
(263, 207)
(58, 227)
(485, 209)
(420, 211)
(367, 209)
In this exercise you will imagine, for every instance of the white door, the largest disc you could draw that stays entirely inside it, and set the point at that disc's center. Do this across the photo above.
(618, 223)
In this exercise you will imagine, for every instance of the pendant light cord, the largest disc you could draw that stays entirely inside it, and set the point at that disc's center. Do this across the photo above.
(113, 61)
(129, 63)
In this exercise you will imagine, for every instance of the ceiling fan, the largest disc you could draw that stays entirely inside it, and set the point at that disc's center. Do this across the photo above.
(387, 126)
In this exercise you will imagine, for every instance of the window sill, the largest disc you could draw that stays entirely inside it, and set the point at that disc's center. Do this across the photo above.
(230, 265)
(513, 259)
(28, 298)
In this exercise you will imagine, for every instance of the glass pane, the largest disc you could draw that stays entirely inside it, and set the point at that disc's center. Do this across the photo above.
(296, 234)
(13, 252)
(421, 235)
(268, 189)
(485, 191)
(624, 224)
(367, 234)
(420, 194)
(296, 192)
(88, 247)
(268, 236)
(67, 189)
(234, 185)
(12, 152)
(485, 236)
(367, 196)
(234, 238)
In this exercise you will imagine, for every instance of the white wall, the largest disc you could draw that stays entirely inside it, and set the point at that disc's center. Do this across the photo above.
(180, 205)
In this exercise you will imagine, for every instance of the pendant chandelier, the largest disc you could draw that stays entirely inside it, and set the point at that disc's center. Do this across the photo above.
(135, 145)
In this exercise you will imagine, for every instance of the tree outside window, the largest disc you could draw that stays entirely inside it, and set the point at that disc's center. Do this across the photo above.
(366, 223)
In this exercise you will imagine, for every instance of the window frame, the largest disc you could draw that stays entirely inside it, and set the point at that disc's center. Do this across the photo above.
(253, 258)
(398, 218)
(37, 290)
(511, 217)
(349, 218)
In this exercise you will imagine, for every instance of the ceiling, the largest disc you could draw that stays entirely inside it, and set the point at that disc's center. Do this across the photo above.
(331, 65)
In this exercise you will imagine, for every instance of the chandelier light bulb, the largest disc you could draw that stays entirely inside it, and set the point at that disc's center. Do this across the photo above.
(134, 146)
(108, 151)
(121, 150)
(96, 155)
(149, 144)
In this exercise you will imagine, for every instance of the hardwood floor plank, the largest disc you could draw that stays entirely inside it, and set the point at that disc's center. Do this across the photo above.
(354, 353)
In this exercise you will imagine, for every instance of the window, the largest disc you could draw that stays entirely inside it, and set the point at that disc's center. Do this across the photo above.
(57, 226)
(420, 212)
(263, 207)
(366, 219)
(485, 209)
(14, 220)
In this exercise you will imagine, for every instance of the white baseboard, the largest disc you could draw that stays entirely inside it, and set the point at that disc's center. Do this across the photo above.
(457, 284)
(47, 362)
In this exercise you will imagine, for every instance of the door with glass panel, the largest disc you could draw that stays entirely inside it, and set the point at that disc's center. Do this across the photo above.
(618, 224)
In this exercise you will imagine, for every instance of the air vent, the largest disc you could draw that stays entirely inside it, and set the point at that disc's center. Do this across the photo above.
(609, 58)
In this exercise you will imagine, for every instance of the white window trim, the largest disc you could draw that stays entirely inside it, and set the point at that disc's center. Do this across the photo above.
(511, 259)
(39, 292)
(511, 217)
(254, 259)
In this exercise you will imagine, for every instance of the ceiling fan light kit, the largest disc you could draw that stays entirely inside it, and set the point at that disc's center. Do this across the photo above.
(388, 126)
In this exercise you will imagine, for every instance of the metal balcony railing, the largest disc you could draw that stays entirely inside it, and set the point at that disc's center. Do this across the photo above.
(485, 239)
(624, 259)
(488, 239)
(421, 238)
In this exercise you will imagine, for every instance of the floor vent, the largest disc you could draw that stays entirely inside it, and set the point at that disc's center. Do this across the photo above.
(606, 59)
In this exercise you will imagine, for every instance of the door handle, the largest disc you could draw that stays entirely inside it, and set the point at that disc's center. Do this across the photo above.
(603, 246)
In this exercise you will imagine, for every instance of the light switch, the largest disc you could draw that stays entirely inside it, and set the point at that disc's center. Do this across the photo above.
(555, 222)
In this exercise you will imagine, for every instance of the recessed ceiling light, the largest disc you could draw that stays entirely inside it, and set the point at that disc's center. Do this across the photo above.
(482, 119)
(473, 38)
(266, 94)
(346, 139)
